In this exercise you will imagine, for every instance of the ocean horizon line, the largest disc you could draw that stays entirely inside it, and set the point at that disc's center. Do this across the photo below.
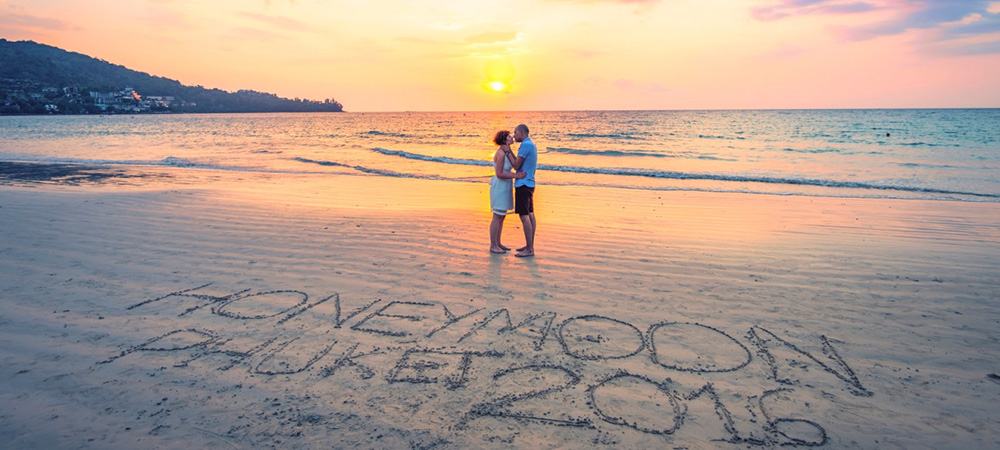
(527, 111)
(957, 108)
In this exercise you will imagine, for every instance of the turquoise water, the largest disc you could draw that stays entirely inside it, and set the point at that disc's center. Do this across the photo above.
(951, 154)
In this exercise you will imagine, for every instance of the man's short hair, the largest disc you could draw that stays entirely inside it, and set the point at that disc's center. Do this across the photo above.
(522, 127)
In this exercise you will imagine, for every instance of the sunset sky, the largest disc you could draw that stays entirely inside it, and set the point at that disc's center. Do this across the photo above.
(458, 55)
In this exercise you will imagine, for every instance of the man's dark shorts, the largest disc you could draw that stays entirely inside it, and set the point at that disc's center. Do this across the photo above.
(524, 200)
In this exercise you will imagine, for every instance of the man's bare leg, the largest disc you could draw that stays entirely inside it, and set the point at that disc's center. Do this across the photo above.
(528, 223)
(533, 228)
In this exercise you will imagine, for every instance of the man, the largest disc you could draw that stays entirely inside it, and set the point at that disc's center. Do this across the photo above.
(524, 188)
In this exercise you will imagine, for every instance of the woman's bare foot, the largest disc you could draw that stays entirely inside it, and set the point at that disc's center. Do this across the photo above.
(504, 247)
(524, 254)
(497, 250)
(523, 249)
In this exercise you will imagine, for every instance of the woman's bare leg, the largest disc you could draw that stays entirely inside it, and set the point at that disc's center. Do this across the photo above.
(500, 234)
(495, 226)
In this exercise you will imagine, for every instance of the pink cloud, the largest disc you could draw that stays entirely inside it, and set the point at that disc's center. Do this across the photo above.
(24, 21)
(166, 18)
(784, 52)
(951, 20)
(789, 8)
(640, 87)
(585, 53)
(624, 84)
(278, 21)
(498, 37)
(241, 33)
(623, 2)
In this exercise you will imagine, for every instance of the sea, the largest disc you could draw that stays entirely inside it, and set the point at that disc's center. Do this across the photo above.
(935, 154)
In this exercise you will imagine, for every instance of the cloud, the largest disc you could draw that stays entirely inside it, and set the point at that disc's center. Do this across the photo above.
(28, 22)
(624, 84)
(419, 40)
(256, 34)
(640, 87)
(448, 26)
(979, 48)
(585, 53)
(279, 22)
(789, 8)
(948, 19)
(971, 18)
(162, 17)
(784, 52)
(639, 7)
(977, 26)
(498, 37)
(622, 2)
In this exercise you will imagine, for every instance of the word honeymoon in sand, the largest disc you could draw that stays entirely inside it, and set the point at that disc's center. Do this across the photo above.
(415, 330)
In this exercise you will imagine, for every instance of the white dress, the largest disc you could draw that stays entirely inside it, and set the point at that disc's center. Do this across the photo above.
(502, 191)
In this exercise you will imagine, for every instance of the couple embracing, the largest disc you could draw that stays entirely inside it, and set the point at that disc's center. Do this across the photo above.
(513, 187)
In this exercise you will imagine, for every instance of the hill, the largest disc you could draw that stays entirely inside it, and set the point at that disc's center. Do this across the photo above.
(37, 78)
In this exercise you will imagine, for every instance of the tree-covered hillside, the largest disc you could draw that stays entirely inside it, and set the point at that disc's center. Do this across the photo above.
(37, 78)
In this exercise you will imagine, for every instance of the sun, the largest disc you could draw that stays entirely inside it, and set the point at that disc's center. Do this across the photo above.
(499, 75)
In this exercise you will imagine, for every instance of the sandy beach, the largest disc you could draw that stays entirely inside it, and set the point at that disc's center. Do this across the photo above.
(236, 310)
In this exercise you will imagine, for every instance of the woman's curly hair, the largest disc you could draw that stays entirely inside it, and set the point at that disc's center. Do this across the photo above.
(501, 137)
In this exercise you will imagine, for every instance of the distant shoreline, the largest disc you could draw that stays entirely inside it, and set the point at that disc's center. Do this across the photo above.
(171, 113)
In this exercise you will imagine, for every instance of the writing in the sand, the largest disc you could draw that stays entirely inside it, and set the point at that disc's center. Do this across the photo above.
(589, 372)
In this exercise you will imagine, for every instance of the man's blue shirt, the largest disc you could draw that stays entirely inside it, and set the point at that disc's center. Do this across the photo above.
(527, 151)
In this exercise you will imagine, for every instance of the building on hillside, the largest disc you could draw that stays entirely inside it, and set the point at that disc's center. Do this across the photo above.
(162, 101)
(125, 100)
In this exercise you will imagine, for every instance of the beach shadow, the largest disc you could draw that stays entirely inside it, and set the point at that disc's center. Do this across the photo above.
(531, 264)
(495, 271)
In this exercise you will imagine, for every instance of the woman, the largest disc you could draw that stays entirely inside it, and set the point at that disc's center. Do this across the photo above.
(501, 188)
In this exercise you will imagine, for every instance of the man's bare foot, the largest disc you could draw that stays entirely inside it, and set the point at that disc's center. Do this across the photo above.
(525, 254)
(504, 247)
(497, 250)
(523, 249)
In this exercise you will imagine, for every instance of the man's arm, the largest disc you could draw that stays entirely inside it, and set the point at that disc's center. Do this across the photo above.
(517, 163)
